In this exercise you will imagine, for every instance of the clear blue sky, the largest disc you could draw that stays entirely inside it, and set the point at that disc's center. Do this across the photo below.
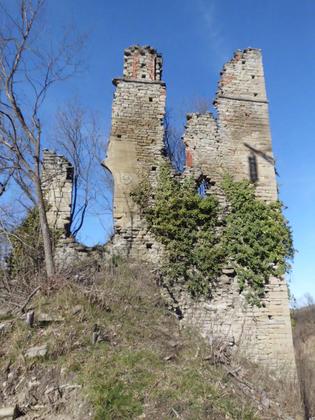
(196, 37)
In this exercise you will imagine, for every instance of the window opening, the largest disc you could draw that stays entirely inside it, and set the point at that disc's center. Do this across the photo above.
(253, 169)
(203, 186)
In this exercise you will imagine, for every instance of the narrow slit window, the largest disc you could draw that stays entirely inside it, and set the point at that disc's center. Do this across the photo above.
(69, 173)
(253, 169)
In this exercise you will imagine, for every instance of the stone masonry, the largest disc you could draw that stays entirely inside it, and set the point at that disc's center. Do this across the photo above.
(238, 141)
(136, 143)
(57, 187)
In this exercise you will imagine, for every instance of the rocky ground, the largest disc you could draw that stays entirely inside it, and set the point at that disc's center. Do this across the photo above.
(303, 320)
(107, 347)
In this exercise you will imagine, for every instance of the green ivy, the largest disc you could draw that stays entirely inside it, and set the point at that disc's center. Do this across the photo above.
(257, 238)
(253, 236)
(186, 224)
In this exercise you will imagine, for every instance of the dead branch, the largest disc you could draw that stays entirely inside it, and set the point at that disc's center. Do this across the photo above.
(29, 298)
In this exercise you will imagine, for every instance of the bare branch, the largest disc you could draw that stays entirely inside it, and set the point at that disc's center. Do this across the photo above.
(78, 137)
(28, 69)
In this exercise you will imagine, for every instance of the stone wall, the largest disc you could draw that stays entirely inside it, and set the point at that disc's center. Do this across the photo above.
(262, 334)
(136, 143)
(70, 255)
(238, 142)
(57, 187)
(243, 120)
(142, 63)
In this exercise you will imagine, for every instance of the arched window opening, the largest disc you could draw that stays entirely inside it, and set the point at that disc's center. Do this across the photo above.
(203, 185)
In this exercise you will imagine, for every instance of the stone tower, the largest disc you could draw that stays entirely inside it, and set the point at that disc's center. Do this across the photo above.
(238, 141)
(136, 140)
(243, 121)
(57, 186)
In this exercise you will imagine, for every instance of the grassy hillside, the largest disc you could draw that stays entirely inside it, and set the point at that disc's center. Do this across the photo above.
(304, 343)
(111, 349)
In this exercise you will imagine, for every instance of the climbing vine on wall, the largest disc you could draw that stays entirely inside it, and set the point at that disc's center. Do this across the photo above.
(253, 237)
(257, 238)
(185, 224)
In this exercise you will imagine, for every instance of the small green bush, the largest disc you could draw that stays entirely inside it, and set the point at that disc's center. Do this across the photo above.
(27, 249)
(27, 252)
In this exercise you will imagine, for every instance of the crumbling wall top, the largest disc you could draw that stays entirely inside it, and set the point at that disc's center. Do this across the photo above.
(56, 163)
(142, 63)
(57, 178)
(242, 78)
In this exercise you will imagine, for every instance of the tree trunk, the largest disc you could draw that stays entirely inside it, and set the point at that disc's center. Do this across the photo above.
(49, 259)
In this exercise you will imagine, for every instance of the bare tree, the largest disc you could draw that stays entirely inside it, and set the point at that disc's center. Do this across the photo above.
(78, 137)
(174, 146)
(173, 141)
(27, 72)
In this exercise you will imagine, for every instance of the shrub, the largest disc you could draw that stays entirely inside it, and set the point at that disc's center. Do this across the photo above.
(27, 249)
(27, 253)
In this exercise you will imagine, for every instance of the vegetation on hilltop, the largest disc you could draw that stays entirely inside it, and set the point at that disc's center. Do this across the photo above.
(114, 350)
(303, 321)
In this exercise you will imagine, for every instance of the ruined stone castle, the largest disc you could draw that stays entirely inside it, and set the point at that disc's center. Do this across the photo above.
(237, 141)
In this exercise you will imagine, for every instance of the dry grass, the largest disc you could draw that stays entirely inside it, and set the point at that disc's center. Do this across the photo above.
(304, 343)
(142, 364)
